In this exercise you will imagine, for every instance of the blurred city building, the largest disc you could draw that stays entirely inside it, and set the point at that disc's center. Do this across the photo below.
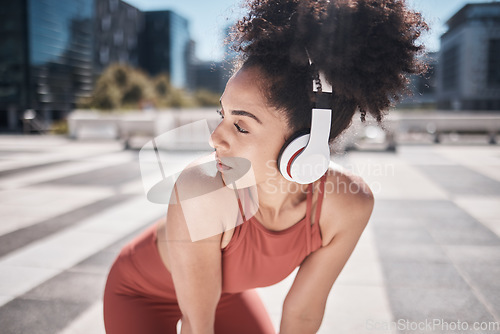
(166, 46)
(468, 74)
(117, 30)
(45, 57)
(209, 75)
(51, 52)
(422, 87)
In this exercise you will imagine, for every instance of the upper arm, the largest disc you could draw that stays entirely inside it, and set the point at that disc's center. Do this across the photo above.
(309, 292)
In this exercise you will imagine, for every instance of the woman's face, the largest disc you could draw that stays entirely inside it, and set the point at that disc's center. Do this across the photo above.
(250, 130)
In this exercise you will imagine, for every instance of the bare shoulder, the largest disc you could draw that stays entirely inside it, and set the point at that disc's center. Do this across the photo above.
(198, 178)
(347, 204)
(202, 201)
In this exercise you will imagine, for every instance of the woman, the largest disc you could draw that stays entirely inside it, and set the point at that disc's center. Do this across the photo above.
(364, 49)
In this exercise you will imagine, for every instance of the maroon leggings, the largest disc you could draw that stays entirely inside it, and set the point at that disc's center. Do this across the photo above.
(139, 297)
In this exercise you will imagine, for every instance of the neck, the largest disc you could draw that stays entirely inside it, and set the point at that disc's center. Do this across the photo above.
(277, 195)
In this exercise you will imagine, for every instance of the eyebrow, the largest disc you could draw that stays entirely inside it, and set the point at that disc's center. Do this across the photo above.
(243, 113)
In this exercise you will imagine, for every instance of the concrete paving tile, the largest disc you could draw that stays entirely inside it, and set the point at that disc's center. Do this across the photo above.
(394, 179)
(482, 276)
(480, 207)
(399, 233)
(125, 218)
(27, 206)
(365, 273)
(132, 188)
(422, 275)
(363, 266)
(274, 296)
(470, 155)
(365, 253)
(484, 280)
(54, 155)
(478, 235)
(486, 210)
(435, 213)
(45, 174)
(60, 251)
(491, 171)
(89, 322)
(492, 295)
(355, 309)
(489, 255)
(423, 155)
(439, 326)
(118, 245)
(395, 222)
(405, 235)
(493, 225)
(23, 164)
(425, 253)
(99, 263)
(38, 316)
(418, 304)
(70, 287)
(5, 299)
(15, 280)
(460, 180)
(107, 176)
(22, 237)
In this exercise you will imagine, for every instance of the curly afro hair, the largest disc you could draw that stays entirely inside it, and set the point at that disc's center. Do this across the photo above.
(366, 49)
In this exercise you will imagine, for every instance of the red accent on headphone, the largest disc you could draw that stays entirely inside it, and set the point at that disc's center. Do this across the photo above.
(291, 160)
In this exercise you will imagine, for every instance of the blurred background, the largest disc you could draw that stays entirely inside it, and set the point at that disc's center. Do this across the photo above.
(85, 84)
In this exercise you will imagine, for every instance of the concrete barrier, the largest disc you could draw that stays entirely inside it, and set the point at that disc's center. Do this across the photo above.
(442, 122)
(150, 124)
(135, 128)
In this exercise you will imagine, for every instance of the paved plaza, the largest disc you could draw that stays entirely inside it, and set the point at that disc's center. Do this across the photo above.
(428, 262)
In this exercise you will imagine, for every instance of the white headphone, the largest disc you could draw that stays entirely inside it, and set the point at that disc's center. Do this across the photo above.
(305, 156)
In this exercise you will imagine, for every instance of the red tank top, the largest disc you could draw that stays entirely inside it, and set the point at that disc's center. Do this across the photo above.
(258, 257)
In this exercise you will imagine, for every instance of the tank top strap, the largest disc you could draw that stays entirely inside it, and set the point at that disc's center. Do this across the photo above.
(309, 202)
(242, 206)
(319, 203)
(241, 211)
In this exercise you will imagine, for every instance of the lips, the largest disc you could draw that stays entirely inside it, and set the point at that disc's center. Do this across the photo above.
(220, 165)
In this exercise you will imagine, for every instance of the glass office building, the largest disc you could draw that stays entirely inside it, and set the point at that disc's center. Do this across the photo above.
(52, 51)
(468, 74)
(166, 46)
(46, 57)
(13, 62)
(117, 30)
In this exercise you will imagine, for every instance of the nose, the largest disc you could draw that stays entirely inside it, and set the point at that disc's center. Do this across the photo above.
(218, 138)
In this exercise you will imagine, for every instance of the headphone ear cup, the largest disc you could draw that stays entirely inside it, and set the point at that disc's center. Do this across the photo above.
(292, 148)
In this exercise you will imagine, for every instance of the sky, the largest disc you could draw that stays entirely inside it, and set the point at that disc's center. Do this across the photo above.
(209, 18)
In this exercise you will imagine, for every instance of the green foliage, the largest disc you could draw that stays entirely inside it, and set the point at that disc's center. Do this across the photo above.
(207, 98)
(162, 86)
(121, 86)
(105, 96)
(162, 89)
(60, 127)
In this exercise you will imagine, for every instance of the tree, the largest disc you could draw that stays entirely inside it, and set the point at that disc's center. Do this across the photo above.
(121, 86)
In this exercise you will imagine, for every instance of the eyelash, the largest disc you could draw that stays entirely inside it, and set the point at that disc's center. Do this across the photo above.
(240, 129)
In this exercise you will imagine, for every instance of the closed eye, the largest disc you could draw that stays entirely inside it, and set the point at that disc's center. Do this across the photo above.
(239, 128)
